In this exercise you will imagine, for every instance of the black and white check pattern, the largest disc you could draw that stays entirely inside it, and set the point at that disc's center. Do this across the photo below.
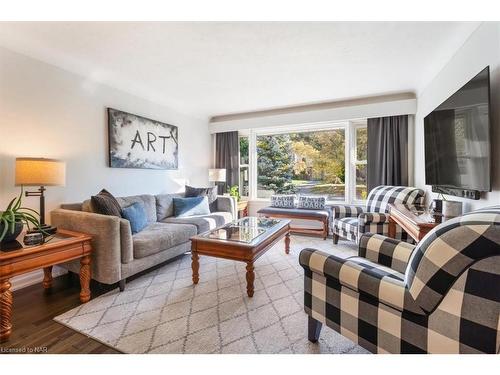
(374, 218)
(448, 250)
(377, 299)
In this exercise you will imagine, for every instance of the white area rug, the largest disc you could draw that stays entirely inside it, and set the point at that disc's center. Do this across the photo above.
(163, 312)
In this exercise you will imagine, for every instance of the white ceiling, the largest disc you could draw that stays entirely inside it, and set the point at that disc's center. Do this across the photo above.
(207, 69)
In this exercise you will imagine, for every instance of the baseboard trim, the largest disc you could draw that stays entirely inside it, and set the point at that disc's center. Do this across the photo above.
(35, 277)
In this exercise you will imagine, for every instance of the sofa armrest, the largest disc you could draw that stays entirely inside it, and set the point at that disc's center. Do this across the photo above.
(341, 211)
(126, 241)
(373, 218)
(227, 204)
(106, 240)
(385, 251)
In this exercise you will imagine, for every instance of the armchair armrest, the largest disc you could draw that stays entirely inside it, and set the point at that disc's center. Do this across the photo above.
(227, 204)
(373, 218)
(341, 211)
(106, 240)
(357, 274)
(385, 251)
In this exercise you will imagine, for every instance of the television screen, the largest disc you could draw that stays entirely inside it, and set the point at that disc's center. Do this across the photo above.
(457, 138)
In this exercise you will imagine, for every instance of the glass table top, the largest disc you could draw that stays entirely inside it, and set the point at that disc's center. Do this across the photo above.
(18, 244)
(243, 230)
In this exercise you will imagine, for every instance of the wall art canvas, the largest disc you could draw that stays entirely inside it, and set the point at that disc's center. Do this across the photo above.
(139, 142)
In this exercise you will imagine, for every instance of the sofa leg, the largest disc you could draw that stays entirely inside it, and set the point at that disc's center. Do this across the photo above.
(313, 329)
(121, 285)
(335, 239)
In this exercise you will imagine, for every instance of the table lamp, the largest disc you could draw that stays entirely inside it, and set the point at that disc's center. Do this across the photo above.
(217, 175)
(40, 172)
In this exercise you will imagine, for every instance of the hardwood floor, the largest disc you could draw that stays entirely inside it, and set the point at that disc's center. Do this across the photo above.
(34, 329)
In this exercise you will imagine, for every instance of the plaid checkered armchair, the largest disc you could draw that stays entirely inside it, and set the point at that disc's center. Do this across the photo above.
(350, 221)
(441, 296)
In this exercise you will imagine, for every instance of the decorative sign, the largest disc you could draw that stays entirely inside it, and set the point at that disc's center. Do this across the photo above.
(139, 142)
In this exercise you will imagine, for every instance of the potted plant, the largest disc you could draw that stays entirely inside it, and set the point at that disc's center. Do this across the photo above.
(234, 191)
(14, 217)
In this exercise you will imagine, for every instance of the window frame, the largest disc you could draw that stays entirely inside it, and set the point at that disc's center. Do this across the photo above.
(354, 126)
(349, 128)
(240, 165)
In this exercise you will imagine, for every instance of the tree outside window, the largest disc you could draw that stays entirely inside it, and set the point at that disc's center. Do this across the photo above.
(303, 163)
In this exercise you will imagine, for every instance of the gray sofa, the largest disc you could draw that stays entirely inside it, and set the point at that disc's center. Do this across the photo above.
(117, 254)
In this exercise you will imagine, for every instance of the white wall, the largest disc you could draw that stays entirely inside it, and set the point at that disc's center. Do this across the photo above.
(482, 48)
(49, 112)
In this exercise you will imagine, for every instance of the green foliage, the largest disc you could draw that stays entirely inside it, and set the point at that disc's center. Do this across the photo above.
(322, 155)
(14, 213)
(275, 163)
(234, 191)
(244, 150)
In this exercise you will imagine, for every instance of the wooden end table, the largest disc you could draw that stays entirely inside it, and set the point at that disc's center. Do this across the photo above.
(14, 261)
(228, 242)
(416, 221)
(242, 208)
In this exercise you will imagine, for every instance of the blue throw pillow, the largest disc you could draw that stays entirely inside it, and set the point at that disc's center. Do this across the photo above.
(136, 215)
(185, 207)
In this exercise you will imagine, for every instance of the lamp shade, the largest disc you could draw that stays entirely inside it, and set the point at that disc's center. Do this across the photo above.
(40, 172)
(217, 175)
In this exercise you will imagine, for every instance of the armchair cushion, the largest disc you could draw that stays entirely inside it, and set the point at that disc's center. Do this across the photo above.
(380, 197)
(341, 211)
(385, 251)
(346, 227)
(373, 217)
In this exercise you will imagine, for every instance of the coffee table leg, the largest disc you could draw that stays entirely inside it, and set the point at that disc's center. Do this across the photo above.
(287, 243)
(85, 279)
(250, 278)
(5, 310)
(195, 266)
(47, 277)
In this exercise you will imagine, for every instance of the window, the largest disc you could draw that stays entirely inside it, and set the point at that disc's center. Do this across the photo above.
(244, 167)
(360, 156)
(303, 162)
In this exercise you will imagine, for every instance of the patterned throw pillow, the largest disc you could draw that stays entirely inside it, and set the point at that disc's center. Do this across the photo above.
(283, 201)
(312, 203)
(105, 203)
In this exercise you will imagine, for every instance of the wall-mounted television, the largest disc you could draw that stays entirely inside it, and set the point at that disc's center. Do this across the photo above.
(457, 138)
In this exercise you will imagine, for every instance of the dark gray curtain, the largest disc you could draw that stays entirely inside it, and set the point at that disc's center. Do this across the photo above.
(387, 151)
(227, 156)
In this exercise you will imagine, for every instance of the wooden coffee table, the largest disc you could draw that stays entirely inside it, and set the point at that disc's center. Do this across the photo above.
(244, 240)
(16, 259)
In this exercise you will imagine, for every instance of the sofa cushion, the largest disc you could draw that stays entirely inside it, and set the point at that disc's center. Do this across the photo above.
(165, 205)
(157, 237)
(203, 223)
(149, 202)
(293, 212)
